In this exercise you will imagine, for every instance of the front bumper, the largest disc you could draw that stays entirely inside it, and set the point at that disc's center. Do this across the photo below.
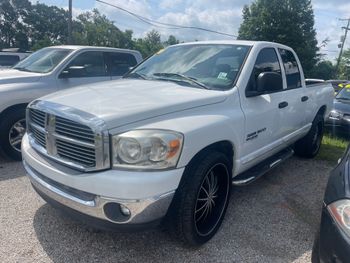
(334, 244)
(101, 195)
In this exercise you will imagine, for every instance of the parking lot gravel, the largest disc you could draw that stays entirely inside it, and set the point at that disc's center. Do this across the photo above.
(272, 220)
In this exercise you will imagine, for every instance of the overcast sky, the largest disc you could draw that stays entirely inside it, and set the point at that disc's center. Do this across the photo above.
(220, 15)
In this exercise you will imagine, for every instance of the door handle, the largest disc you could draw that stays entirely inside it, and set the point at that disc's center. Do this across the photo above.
(283, 104)
(304, 98)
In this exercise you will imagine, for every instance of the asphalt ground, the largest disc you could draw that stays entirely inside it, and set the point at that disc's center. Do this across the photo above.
(272, 220)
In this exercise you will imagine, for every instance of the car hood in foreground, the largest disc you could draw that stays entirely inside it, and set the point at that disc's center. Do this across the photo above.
(8, 76)
(126, 101)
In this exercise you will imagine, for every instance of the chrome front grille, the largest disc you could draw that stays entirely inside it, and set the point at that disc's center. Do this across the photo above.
(68, 141)
(39, 136)
(77, 153)
(38, 117)
(74, 130)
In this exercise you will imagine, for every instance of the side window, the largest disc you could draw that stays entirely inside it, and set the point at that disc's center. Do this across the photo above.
(87, 64)
(291, 67)
(120, 63)
(267, 61)
(8, 60)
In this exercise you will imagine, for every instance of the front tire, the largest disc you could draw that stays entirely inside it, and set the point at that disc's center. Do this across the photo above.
(201, 200)
(12, 129)
(309, 146)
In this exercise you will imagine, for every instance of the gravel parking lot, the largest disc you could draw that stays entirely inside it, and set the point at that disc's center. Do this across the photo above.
(271, 220)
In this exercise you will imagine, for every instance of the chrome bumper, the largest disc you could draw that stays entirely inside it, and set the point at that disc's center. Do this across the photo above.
(141, 211)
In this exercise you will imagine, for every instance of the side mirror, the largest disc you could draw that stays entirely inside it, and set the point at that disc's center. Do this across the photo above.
(73, 71)
(269, 81)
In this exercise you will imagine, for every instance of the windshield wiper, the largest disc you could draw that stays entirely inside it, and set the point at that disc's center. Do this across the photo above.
(183, 77)
(22, 69)
(136, 74)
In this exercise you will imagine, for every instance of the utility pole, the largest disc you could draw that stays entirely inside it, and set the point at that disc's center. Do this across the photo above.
(342, 43)
(70, 22)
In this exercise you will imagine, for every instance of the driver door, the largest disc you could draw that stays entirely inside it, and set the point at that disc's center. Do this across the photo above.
(87, 67)
(262, 112)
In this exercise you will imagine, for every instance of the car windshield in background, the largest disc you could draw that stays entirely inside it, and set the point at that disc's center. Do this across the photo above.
(43, 61)
(199, 65)
(344, 94)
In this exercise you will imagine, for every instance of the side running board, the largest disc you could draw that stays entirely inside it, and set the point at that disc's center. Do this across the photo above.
(260, 169)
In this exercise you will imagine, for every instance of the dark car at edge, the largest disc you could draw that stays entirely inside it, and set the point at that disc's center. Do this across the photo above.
(339, 116)
(332, 243)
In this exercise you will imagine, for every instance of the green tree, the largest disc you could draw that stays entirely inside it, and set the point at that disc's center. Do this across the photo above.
(94, 29)
(47, 25)
(344, 66)
(290, 22)
(13, 32)
(323, 70)
(171, 41)
(150, 44)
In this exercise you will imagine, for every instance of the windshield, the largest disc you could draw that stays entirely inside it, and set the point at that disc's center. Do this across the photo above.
(344, 94)
(43, 61)
(212, 66)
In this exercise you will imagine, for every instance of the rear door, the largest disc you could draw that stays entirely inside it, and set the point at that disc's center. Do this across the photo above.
(262, 112)
(86, 67)
(119, 63)
(293, 117)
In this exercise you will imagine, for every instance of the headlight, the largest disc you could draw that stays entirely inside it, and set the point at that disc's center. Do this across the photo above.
(340, 211)
(334, 114)
(147, 149)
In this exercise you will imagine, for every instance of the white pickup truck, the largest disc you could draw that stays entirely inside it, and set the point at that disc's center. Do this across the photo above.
(167, 142)
(48, 70)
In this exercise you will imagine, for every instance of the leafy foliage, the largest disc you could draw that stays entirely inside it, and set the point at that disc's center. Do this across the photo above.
(34, 26)
(323, 70)
(290, 22)
(344, 66)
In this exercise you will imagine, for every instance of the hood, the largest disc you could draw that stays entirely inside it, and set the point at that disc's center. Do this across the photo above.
(125, 101)
(342, 105)
(8, 76)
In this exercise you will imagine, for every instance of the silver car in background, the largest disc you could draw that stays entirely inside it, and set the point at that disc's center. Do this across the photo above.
(49, 70)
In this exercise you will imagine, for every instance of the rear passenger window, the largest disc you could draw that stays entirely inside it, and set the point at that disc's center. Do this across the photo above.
(291, 68)
(267, 61)
(8, 60)
(120, 63)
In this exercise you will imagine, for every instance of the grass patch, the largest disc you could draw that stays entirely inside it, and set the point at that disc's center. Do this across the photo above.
(332, 148)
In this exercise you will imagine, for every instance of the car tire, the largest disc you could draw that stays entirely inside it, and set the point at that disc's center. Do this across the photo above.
(201, 200)
(309, 145)
(12, 129)
(315, 256)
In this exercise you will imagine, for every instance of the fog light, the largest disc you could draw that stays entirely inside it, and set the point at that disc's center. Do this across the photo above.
(124, 210)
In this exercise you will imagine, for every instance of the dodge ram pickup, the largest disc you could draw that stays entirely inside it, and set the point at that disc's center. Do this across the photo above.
(166, 143)
(48, 70)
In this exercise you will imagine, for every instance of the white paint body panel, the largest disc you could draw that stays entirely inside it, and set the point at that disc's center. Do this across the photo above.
(202, 116)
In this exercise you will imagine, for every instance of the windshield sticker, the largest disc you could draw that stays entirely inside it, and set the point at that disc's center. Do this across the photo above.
(222, 75)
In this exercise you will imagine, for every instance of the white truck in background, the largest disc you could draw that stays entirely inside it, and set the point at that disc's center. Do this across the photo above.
(167, 142)
(48, 70)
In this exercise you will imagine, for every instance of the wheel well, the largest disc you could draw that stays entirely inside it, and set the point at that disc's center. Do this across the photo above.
(12, 108)
(322, 111)
(225, 147)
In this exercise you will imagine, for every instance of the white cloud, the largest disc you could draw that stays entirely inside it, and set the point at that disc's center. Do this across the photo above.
(168, 4)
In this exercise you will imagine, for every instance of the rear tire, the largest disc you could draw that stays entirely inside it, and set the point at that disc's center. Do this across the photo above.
(309, 146)
(12, 129)
(201, 199)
